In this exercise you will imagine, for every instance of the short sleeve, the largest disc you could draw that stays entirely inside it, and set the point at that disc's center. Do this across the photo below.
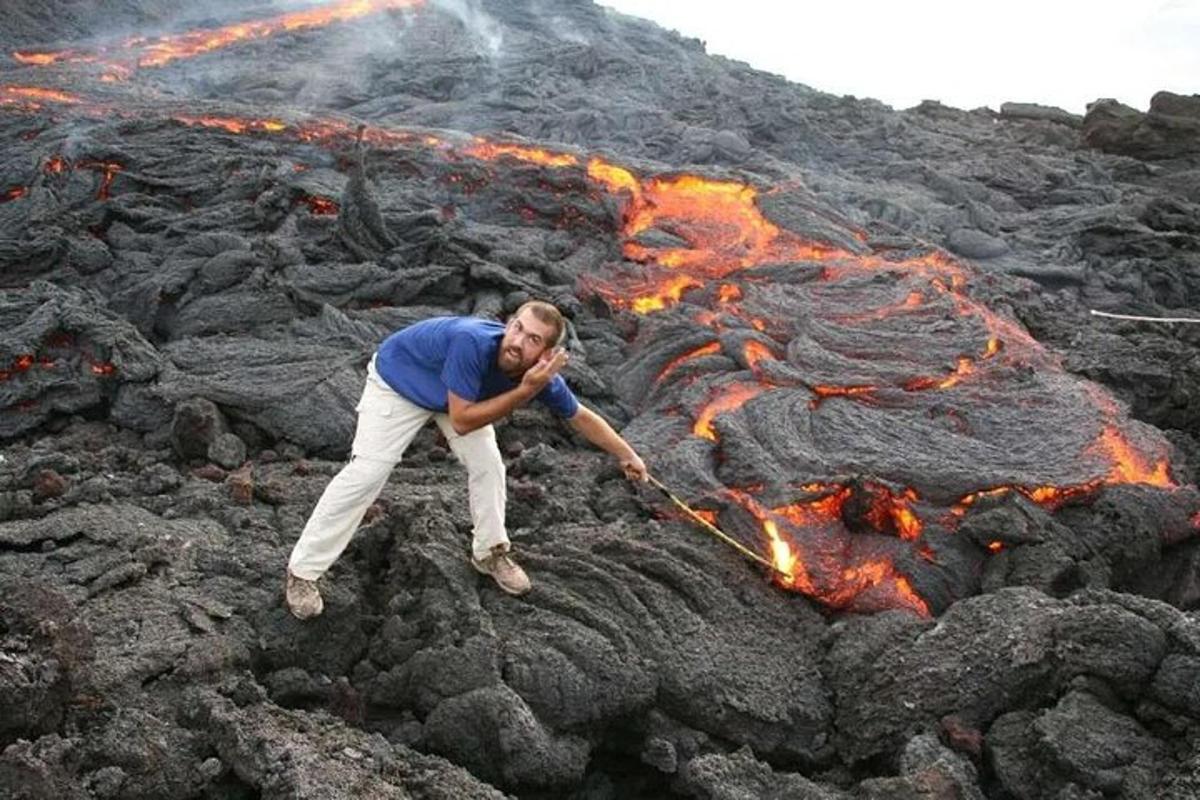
(463, 371)
(559, 398)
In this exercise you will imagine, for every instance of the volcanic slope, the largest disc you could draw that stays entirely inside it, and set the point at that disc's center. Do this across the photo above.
(856, 339)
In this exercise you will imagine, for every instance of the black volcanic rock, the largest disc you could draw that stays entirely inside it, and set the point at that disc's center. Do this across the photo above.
(1170, 129)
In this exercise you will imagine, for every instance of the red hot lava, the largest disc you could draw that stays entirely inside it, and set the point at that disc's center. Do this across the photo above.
(726, 237)
(159, 51)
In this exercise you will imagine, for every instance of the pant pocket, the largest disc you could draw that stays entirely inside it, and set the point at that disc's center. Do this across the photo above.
(375, 401)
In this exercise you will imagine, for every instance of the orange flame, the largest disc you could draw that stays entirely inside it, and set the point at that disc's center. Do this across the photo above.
(13, 194)
(794, 575)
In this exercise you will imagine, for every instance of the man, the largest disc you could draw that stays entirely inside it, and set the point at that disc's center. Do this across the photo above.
(465, 373)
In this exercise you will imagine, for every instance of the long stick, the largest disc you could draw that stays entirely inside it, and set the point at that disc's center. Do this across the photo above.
(713, 529)
(1096, 313)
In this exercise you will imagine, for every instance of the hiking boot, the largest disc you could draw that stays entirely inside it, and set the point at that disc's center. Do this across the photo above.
(303, 597)
(506, 572)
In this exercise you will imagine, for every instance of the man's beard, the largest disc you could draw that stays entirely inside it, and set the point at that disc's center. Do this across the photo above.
(511, 364)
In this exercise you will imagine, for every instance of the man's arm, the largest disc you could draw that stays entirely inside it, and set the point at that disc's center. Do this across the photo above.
(467, 415)
(592, 427)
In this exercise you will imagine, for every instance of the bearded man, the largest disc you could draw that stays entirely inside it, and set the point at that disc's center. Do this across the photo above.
(464, 373)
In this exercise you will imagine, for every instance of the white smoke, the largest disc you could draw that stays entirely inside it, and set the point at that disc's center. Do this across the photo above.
(485, 30)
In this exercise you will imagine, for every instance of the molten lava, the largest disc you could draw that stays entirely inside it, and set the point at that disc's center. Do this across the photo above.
(729, 292)
(234, 125)
(321, 206)
(755, 352)
(108, 172)
(156, 52)
(708, 349)
(487, 151)
(14, 193)
(718, 237)
(728, 398)
(1129, 466)
(664, 295)
(31, 98)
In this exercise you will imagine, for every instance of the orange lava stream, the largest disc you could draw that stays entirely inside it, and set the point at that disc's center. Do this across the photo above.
(1129, 466)
(823, 392)
(234, 125)
(157, 52)
(726, 232)
(108, 171)
(32, 97)
(728, 398)
(487, 151)
(704, 350)
(852, 580)
(665, 294)
(755, 352)
(321, 206)
(721, 220)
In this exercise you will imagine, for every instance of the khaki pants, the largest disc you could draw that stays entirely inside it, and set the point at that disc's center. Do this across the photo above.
(387, 424)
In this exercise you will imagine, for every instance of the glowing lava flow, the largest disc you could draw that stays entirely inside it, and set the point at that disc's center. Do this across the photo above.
(724, 228)
(727, 399)
(725, 233)
(1129, 466)
(842, 585)
(704, 350)
(159, 51)
(755, 352)
(487, 151)
(32, 98)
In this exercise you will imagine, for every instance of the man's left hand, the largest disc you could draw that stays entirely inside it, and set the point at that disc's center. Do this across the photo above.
(634, 468)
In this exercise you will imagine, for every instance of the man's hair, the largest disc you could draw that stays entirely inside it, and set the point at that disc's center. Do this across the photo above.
(547, 313)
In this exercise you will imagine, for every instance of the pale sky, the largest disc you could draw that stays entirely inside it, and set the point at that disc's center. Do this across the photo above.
(966, 54)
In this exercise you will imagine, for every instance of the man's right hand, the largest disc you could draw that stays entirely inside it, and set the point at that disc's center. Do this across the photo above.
(537, 376)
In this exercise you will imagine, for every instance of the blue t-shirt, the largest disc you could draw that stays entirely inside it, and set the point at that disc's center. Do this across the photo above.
(424, 360)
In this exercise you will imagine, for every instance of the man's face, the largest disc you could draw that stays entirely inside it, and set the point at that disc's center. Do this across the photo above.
(525, 340)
